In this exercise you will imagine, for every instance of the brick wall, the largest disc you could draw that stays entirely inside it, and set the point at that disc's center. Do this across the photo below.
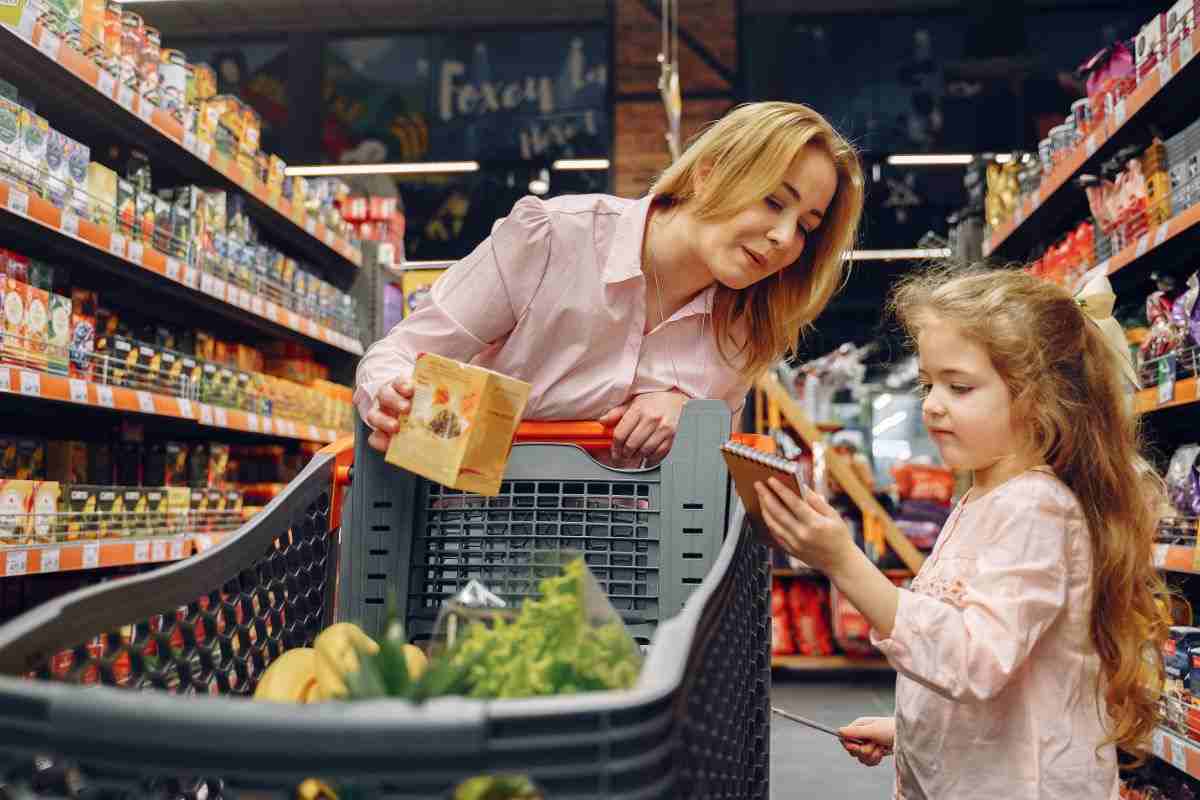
(639, 120)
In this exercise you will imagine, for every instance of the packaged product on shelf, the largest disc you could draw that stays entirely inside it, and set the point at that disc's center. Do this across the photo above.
(133, 33)
(81, 506)
(149, 62)
(119, 360)
(155, 503)
(100, 463)
(113, 32)
(781, 628)
(233, 504)
(58, 175)
(134, 505)
(178, 500)
(144, 227)
(16, 497)
(110, 513)
(162, 225)
(149, 362)
(31, 460)
(36, 326)
(45, 522)
(198, 465)
(34, 133)
(78, 157)
(218, 464)
(67, 462)
(127, 220)
(129, 463)
(175, 466)
(101, 194)
(8, 457)
(173, 76)
(83, 332)
(808, 603)
(58, 338)
(91, 26)
(215, 507)
(191, 376)
(16, 294)
(198, 521)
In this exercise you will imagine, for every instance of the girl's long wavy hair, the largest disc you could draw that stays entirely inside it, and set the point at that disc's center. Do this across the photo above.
(1068, 390)
(746, 154)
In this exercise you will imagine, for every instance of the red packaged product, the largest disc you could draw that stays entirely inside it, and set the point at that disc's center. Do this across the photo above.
(809, 604)
(781, 628)
(924, 482)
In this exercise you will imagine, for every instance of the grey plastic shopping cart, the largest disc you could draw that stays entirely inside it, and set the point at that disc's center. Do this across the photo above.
(668, 545)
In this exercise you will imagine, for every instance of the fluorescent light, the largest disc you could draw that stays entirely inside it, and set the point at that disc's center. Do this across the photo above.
(580, 163)
(413, 168)
(889, 422)
(898, 255)
(881, 401)
(1003, 158)
(931, 160)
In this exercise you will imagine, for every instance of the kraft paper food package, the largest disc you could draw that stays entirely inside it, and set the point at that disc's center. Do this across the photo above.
(461, 427)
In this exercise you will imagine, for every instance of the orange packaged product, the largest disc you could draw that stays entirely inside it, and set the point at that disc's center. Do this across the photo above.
(808, 602)
(781, 622)
(924, 482)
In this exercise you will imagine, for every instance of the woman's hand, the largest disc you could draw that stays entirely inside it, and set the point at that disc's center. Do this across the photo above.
(645, 428)
(869, 739)
(806, 527)
(393, 402)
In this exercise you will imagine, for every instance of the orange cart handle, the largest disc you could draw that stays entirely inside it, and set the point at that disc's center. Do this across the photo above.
(594, 437)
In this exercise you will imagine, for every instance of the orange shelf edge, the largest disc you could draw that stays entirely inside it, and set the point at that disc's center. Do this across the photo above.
(1146, 400)
(76, 556)
(830, 663)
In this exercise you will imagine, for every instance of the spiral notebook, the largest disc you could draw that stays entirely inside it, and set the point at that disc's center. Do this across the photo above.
(749, 465)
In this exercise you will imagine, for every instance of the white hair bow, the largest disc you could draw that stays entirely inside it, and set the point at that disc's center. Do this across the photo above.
(1097, 299)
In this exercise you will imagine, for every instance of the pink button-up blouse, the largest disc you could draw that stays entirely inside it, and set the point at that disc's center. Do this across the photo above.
(556, 297)
(997, 689)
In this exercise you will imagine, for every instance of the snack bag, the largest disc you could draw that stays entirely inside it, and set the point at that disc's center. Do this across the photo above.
(809, 603)
(781, 621)
(1183, 481)
(461, 427)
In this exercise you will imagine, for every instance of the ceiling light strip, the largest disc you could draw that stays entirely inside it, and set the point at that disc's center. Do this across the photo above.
(413, 168)
(915, 254)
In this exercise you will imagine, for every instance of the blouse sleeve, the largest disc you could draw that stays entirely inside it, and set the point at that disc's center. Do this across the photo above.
(967, 645)
(477, 302)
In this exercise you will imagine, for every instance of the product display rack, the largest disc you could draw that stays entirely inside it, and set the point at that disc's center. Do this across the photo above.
(67, 83)
(1165, 94)
(94, 244)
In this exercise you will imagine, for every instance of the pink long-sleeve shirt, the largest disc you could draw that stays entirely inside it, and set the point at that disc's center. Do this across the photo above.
(996, 695)
(556, 296)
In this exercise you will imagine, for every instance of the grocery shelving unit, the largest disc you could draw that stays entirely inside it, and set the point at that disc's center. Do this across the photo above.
(1165, 96)
(89, 104)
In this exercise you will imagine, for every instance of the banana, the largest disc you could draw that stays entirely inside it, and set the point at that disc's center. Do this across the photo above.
(417, 663)
(337, 655)
(291, 678)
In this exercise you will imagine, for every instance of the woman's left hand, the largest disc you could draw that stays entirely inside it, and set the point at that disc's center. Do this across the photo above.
(645, 428)
(807, 527)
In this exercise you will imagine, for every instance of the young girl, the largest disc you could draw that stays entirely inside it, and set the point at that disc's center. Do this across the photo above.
(620, 310)
(1022, 647)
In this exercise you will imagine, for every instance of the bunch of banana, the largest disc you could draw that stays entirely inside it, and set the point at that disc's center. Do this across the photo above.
(317, 673)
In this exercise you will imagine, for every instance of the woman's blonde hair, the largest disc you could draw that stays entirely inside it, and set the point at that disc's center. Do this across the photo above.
(743, 158)
(1068, 391)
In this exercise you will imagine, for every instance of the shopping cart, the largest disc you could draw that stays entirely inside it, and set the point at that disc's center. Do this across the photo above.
(667, 544)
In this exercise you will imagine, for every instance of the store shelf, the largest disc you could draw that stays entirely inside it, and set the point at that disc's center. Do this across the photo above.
(1176, 558)
(817, 663)
(1161, 94)
(1174, 750)
(228, 299)
(66, 84)
(73, 557)
(44, 386)
(783, 572)
(1155, 238)
(1148, 400)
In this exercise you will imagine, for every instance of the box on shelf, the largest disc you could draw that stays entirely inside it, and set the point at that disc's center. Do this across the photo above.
(102, 186)
(34, 133)
(46, 524)
(37, 327)
(110, 513)
(10, 137)
(83, 332)
(58, 335)
(67, 462)
(16, 497)
(81, 503)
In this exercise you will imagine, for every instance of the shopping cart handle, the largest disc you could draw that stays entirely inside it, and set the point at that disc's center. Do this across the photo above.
(591, 436)
(594, 437)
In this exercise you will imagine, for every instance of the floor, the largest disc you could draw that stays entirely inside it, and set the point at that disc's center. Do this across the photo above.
(807, 763)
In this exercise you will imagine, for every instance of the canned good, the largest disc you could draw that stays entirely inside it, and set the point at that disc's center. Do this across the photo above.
(1061, 139)
(173, 78)
(1046, 154)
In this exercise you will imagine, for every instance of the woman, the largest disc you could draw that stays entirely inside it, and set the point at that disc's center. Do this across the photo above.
(622, 310)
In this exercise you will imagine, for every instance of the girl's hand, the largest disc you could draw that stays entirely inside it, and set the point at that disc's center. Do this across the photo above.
(645, 428)
(807, 527)
(393, 402)
(873, 738)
